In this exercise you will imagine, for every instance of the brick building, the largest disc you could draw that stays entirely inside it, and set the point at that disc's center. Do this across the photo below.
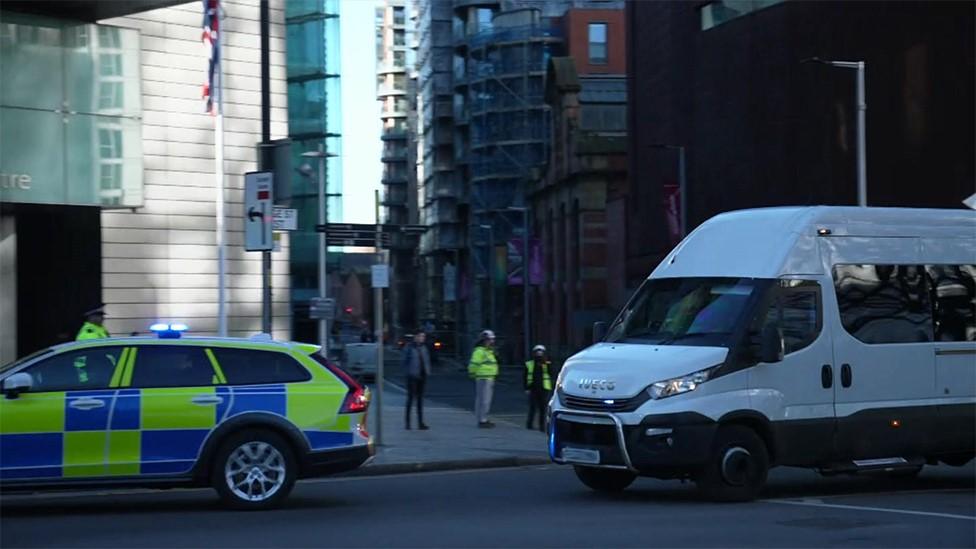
(578, 204)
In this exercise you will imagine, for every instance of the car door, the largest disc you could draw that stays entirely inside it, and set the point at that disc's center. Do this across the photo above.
(796, 394)
(58, 428)
(883, 347)
(166, 409)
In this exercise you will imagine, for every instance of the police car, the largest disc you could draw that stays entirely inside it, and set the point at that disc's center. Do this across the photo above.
(246, 416)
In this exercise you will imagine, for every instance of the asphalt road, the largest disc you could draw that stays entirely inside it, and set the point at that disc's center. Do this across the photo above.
(541, 506)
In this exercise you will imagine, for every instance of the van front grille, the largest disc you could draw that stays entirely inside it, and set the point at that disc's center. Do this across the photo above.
(603, 404)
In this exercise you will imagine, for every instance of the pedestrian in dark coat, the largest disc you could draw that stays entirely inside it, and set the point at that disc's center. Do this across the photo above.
(416, 364)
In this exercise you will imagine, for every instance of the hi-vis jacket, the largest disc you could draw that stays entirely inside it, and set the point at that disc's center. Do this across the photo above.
(484, 364)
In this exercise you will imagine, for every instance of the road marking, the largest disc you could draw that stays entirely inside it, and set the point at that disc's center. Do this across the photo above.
(820, 503)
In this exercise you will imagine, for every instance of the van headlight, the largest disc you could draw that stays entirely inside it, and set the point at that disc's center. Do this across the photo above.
(560, 377)
(678, 385)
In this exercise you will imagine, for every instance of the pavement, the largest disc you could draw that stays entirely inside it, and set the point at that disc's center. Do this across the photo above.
(538, 506)
(454, 440)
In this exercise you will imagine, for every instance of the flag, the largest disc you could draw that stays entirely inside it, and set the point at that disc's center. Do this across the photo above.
(211, 38)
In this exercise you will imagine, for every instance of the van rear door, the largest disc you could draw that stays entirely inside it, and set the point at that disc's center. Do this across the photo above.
(883, 350)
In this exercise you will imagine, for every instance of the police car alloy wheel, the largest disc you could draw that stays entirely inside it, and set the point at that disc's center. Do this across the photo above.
(254, 470)
(737, 467)
(604, 480)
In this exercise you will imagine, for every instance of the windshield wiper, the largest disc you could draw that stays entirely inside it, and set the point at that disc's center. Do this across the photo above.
(689, 335)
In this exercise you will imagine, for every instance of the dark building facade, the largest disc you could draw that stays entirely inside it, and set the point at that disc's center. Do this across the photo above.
(576, 204)
(726, 81)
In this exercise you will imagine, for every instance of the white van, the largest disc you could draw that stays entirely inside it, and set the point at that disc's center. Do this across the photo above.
(837, 338)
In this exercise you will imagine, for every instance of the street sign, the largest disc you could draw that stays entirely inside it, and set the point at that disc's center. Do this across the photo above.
(357, 242)
(381, 276)
(285, 219)
(321, 308)
(258, 211)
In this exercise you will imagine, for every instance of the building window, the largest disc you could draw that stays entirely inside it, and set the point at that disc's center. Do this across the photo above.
(399, 59)
(399, 16)
(721, 11)
(598, 43)
(399, 38)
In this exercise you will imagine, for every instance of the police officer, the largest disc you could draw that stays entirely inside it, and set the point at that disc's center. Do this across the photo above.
(538, 384)
(93, 327)
(483, 368)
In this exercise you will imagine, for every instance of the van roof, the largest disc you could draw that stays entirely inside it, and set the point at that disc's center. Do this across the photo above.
(771, 242)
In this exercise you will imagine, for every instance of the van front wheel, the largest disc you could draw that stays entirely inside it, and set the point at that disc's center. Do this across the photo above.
(737, 467)
(604, 480)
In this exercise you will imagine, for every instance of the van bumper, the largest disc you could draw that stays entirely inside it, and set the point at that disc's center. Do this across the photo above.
(678, 442)
(662, 445)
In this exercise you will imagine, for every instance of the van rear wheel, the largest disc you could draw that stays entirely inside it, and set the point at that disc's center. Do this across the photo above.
(737, 467)
(604, 480)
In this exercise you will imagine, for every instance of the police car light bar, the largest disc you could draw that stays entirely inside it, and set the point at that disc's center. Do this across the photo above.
(169, 331)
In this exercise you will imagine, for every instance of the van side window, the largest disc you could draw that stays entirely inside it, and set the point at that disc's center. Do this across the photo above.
(954, 290)
(884, 303)
(796, 309)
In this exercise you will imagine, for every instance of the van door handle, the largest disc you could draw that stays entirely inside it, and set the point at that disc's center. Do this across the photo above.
(827, 376)
(846, 375)
(204, 400)
(87, 403)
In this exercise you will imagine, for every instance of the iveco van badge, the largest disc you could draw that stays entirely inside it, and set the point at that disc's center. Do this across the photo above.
(596, 384)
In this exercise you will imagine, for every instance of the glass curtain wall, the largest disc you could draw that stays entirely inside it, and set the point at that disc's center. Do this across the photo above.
(314, 120)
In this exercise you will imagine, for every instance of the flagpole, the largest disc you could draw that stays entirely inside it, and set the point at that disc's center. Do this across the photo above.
(219, 154)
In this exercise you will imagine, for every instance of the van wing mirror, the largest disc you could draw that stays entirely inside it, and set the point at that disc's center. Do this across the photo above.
(599, 331)
(772, 348)
(16, 384)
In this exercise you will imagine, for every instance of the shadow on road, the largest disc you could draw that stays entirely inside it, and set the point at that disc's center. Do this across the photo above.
(796, 483)
(137, 503)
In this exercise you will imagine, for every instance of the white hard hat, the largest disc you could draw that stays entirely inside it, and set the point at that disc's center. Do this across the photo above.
(487, 334)
(538, 348)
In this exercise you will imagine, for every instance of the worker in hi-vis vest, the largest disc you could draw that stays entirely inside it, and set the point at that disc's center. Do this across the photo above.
(538, 385)
(483, 368)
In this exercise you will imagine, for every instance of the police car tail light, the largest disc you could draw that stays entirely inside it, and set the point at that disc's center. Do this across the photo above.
(356, 401)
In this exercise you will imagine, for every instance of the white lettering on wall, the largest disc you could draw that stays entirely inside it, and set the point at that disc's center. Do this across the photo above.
(15, 181)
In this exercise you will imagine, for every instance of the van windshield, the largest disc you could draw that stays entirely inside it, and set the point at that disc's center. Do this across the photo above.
(685, 311)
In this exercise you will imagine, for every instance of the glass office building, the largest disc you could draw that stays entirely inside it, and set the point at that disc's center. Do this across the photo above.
(314, 120)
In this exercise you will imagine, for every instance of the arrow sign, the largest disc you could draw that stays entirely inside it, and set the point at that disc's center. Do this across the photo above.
(258, 202)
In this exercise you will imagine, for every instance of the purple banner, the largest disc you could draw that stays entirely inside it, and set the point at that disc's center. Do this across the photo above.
(515, 261)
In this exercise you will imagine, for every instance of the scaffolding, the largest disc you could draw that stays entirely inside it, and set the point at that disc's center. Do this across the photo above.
(499, 79)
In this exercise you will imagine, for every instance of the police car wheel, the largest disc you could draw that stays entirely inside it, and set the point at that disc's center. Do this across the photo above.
(604, 480)
(737, 468)
(254, 469)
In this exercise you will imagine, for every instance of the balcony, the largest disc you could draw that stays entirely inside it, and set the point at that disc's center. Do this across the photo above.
(393, 133)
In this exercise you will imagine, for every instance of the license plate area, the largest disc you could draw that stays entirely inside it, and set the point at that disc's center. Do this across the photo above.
(581, 455)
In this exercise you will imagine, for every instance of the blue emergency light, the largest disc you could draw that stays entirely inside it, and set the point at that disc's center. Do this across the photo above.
(169, 331)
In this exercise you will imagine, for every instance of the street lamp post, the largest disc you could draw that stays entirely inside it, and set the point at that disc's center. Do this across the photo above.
(862, 107)
(682, 185)
(526, 326)
(491, 272)
(323, 243)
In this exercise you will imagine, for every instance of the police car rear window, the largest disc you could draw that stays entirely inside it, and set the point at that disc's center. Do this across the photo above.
(251, 367)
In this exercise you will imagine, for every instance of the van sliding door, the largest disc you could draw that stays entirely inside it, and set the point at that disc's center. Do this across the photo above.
(883, 350)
